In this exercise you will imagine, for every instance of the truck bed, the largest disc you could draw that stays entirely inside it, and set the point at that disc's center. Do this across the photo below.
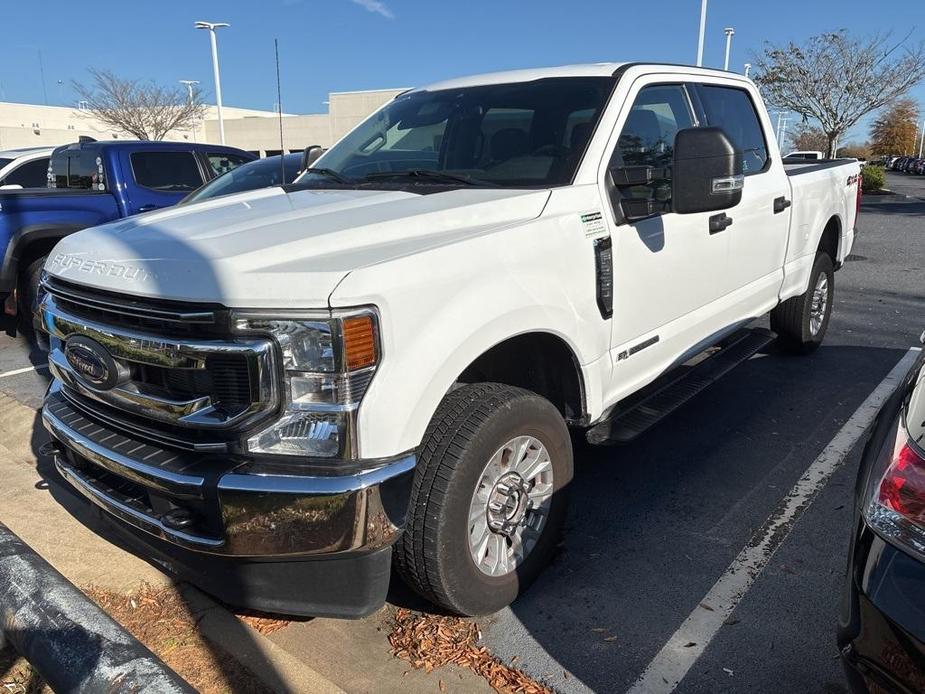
(795, 167)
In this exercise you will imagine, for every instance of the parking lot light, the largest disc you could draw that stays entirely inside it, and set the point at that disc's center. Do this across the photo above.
(703, 27)
(730, 32)
(212, 26)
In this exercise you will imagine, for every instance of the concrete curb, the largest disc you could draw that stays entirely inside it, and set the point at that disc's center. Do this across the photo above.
(271, 664)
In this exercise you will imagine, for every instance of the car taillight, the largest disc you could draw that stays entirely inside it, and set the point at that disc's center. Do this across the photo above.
(897, 505)
(902, 488)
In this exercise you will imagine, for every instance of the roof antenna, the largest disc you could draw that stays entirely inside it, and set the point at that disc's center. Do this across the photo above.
(279, 106)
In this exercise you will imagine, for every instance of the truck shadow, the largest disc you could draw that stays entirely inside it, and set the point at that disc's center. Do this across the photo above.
(141, 245)
(655, 522)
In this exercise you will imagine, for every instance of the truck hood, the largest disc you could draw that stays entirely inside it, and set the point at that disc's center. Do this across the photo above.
(272, 249)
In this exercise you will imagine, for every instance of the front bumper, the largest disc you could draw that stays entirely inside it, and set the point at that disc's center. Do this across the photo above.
(210, 516)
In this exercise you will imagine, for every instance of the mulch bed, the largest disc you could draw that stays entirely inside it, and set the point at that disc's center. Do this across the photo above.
(161, 620)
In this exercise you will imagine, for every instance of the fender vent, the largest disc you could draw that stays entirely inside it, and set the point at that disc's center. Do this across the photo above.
(603, 269)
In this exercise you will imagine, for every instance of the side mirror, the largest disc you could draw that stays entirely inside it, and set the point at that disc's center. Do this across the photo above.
(310, 155)
(706, 171)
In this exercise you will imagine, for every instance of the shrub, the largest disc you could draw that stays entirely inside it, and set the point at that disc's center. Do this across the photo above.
(874, 178)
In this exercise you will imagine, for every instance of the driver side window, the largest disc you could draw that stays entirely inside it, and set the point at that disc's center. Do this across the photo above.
(647, 139)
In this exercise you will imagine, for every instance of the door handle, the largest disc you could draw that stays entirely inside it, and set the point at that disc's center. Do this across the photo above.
(718, 222)
(781, 204)
(147, 208)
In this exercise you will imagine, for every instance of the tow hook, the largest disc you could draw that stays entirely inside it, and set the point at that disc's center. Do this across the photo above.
(49, 448)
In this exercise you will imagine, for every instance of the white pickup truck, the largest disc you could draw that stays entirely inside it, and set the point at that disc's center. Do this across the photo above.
(277, 394)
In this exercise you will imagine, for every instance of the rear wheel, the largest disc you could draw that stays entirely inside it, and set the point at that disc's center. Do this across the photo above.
(489, 498)
(801, 322)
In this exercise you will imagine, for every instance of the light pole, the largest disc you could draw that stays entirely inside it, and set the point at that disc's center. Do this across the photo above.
(189, 86)
(703, 27)
(922, 140)
(748, 66)
(212, 26)
(730, 32)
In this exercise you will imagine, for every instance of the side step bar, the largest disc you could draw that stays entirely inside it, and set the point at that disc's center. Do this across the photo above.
(641, 412)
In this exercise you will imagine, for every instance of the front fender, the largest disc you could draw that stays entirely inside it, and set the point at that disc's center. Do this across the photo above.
(443, 308)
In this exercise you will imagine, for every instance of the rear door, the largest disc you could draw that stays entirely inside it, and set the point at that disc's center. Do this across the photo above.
(160, 178)
(761, 221)
(666, 267)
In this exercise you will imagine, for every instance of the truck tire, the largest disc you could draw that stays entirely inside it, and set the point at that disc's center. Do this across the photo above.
(29, 290)
(489, 498)
(801, 322)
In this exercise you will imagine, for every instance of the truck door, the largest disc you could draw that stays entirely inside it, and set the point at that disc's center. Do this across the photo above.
(159, 178)
(758, 236)
(667, 268)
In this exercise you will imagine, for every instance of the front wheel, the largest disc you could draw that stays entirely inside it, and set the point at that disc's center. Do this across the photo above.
(28, 291)
(801, 322)
(489, 498)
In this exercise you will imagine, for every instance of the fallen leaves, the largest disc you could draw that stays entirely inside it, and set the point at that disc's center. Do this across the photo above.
(265, 625)
(429, 642)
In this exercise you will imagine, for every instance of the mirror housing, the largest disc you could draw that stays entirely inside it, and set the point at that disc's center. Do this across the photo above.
(707, 173)
(310, 155)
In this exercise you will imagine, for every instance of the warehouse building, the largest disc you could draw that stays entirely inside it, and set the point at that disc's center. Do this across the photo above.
(31, 125)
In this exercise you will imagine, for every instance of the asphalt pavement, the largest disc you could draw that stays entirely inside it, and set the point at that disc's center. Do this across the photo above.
(654, 524)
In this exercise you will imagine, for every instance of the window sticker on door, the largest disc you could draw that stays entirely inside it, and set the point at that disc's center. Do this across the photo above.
(593, 224)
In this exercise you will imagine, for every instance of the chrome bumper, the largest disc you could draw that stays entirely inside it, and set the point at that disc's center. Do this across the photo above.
(223, 504)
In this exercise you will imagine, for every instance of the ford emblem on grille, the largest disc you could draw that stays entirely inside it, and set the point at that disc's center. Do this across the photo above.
(92, 363)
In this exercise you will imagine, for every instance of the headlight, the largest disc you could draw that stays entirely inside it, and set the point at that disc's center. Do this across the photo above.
(328, 361)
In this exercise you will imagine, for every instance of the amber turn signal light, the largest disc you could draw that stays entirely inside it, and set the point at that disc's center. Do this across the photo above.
(360, 342)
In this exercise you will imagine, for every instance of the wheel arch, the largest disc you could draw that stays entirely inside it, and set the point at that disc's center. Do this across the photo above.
(29, 244)
(830, 240)
(538, 361)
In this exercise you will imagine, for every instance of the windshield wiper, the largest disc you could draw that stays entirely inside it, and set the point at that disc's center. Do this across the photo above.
(328, 173)
(429, 174)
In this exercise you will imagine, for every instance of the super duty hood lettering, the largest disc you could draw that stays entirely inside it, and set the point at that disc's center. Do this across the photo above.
(61, 263)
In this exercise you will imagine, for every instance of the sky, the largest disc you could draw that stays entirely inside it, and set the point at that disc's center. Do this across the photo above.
(346, 45)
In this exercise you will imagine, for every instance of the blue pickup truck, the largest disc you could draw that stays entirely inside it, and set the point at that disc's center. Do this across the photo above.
(90, 183)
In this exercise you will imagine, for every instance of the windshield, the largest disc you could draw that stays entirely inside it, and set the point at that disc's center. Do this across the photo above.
(528, 134)
(262, 173)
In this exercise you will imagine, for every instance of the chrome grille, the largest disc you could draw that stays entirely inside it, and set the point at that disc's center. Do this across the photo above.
(181, 382)
(162, 317)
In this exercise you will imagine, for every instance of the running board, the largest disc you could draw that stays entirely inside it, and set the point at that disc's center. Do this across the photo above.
(641, 412)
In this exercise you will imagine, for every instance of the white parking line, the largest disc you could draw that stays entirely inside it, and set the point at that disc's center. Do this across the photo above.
(25, 370)
(688, 643)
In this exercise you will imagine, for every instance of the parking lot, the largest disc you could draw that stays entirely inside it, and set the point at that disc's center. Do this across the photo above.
(656, 523)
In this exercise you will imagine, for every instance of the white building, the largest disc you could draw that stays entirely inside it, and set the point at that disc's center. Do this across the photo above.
(31, 125)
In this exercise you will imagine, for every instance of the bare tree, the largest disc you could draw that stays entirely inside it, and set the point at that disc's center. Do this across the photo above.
(837, 79)
(806, 138)
(145, 110)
